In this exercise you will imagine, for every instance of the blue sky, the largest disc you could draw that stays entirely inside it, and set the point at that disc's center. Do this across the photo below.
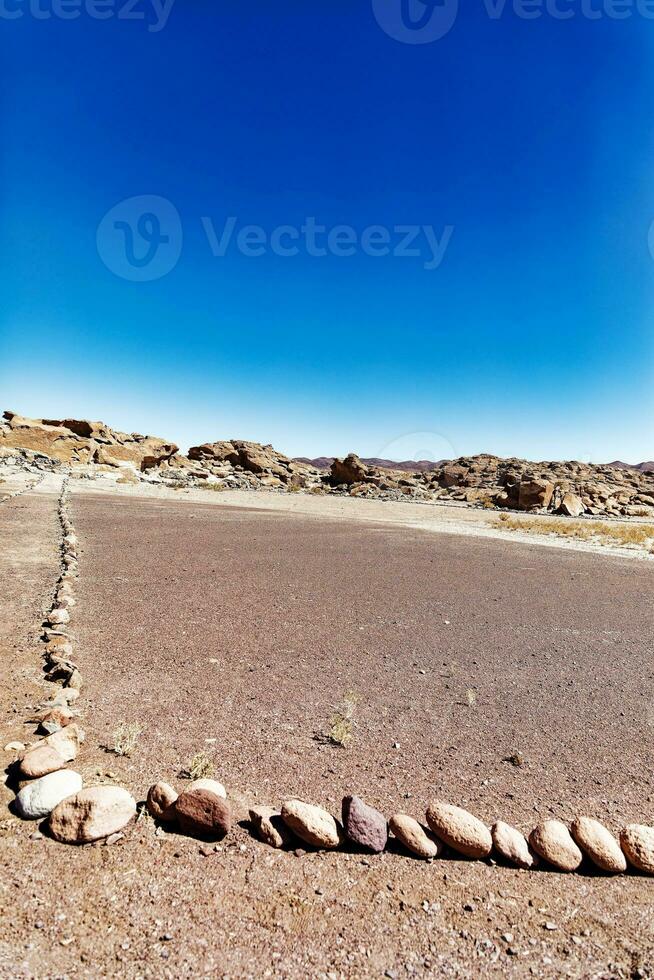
(529, 139)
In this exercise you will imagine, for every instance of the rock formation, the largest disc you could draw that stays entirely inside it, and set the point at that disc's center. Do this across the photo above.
(571, 489)
(79, 441)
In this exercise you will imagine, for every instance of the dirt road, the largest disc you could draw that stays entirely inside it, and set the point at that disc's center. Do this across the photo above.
(236, 632)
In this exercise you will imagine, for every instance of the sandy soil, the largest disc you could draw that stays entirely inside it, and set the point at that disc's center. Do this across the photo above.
(434, 516)
(235, 631)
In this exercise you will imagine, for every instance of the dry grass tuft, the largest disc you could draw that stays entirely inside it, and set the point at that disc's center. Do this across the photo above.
(625, 534)
(341, 726)
(200, 766)
(125, 738)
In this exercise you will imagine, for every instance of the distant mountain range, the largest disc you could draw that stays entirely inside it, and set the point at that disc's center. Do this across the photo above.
(643, 467)
(424, 465)
(410, 465)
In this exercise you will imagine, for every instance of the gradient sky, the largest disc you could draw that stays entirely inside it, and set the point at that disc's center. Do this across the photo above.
(533, 139)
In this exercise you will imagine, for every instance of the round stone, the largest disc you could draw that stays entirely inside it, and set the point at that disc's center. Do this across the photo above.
(637, 842)
(511, 845)
(161, 802)
(202, 813)
(210, 784)
(269, 826)
(38, 798)
(459, 829)
(92, 814)
(551, 839)
(601, 846)
(311, 823)
(414, 836)
(59, 616)
(40, 761)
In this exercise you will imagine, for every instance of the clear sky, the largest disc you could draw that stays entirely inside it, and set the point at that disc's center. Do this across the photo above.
(518, 152)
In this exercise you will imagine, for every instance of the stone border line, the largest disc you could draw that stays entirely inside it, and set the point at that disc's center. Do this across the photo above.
(78, 815)
(44, 780)
(25, 489)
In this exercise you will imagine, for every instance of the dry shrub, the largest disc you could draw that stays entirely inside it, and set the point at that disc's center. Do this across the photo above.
(125, 738)
(628, 535)
(200, 766)
(216, 487)
(341, 726)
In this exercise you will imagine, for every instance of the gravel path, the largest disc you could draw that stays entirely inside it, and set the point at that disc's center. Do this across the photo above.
(236, 632)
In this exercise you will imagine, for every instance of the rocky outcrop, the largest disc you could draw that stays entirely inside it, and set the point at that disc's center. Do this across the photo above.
(78, 441)
(571, 489)
(231, 458)
(352, 470)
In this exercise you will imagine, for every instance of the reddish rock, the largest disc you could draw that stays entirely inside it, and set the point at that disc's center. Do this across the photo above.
(161, 801)
(534, 493)
(201, 813)
(40, 761)
(364, 825)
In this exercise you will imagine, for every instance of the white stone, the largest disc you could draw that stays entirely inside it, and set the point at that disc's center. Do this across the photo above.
(40, 797)
(210, 784)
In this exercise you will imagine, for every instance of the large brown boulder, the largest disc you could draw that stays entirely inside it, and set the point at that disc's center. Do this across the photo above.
(534, 493)
(572, 505)
(79, 441)
(350, 470)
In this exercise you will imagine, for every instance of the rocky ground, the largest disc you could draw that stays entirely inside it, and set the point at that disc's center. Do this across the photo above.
(511, 679)
(571, 489)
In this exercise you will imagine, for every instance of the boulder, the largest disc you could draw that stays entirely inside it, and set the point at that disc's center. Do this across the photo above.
(201, 813)
(637, 843)
(311, 824)
(160, 802)
(572, 505)
(552, 841)
(210, 784)
(364, 825)
(58, 616)
(414, 836)
(511, 845)
(534, 493)
(601, 846)
(92, 814)
(39, 797)
(269, 826)
(459, 829)
(349, 470)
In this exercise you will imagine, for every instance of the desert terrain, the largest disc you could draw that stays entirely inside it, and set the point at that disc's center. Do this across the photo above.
(504, 671)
